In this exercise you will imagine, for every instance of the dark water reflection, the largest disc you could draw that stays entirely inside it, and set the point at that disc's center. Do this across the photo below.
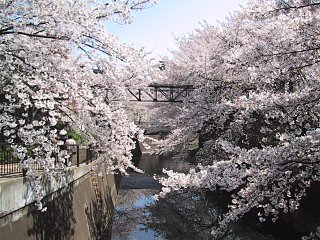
(132, 213)
(179, 216)
(153, 164)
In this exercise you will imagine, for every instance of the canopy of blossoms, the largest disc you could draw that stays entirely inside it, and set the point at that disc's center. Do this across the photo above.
(255, 107)
(59, 68)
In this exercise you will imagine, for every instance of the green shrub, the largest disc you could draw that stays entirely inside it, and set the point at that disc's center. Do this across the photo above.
(78, 137)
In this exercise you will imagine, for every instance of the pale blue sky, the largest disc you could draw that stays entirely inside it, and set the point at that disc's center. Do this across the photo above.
(155, 28)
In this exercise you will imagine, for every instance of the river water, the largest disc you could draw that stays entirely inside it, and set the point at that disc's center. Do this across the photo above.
(138, 216)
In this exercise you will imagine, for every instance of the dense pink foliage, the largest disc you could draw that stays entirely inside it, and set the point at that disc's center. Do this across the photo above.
(257, 106)
(48, 51)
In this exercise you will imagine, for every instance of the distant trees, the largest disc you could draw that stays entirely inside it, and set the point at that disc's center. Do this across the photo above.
(256, 105)
(48, 50)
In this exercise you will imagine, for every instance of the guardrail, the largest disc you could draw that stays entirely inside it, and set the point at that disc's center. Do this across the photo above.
(9, 164)
(79, 154)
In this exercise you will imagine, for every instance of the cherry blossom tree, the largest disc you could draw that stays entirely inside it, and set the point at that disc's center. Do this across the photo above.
(256, 107)
(59, 69)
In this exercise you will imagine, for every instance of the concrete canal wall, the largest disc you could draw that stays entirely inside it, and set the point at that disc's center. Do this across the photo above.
(79, 210)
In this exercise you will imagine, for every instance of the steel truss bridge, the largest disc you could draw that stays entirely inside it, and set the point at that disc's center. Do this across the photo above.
(162, 93)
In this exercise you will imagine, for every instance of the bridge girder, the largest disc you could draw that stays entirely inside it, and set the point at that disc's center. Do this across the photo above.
(162, 93)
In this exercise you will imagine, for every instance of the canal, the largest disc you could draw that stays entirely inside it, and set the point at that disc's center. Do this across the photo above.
(184, 215)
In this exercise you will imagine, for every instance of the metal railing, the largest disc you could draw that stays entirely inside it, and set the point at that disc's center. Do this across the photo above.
(9, 164)
(79, 154)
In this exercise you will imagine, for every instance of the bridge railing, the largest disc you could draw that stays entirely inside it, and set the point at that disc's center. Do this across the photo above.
(155, 93)
(9, 164)
(162, 93)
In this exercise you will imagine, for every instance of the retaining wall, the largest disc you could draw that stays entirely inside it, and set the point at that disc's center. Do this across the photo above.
(79, 210)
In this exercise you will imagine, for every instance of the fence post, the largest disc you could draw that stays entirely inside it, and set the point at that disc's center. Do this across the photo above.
(87, 155)
(90, 153)
(78, 155)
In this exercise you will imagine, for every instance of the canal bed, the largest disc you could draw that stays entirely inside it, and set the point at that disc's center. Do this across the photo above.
(185, 215)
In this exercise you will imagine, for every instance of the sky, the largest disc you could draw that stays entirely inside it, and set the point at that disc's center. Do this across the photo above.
(156, 28)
